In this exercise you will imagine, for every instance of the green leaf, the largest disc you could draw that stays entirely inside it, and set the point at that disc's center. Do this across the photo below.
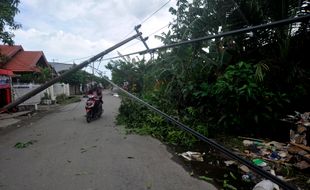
(206, 178)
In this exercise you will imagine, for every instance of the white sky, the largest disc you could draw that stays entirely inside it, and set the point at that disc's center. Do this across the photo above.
(70, 29)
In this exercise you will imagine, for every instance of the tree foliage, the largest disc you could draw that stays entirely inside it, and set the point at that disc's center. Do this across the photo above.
(83, 77)
(41, 77)
(238, 84)
(7, 24)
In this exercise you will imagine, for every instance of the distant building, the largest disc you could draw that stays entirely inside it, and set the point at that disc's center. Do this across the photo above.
(60, 67)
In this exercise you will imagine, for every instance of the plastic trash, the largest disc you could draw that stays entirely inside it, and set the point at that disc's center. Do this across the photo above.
(264, 185)
(193, 156)
(248, 143)
(246, 177)
(244, 168)
(259, 162)
(229, 162)
(274, 156)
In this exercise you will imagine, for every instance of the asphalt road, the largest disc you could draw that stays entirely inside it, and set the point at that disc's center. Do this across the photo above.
(68, 153)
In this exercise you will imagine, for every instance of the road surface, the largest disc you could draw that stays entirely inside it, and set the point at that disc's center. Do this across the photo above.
(68, 153)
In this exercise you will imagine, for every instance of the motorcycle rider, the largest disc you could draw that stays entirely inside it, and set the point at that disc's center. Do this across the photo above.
(97, 93)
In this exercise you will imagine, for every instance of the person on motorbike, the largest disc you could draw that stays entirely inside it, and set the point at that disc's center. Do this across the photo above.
(97, 93)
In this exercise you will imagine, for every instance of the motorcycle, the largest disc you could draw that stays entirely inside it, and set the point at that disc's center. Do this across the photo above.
(93, 111)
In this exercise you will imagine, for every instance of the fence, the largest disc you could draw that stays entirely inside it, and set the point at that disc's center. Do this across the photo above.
(51, 92)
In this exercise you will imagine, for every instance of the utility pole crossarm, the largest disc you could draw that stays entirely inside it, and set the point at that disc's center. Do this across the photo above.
(142, 39)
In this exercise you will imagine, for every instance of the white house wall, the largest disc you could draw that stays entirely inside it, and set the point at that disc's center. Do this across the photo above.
(21, 89)
(61, 88)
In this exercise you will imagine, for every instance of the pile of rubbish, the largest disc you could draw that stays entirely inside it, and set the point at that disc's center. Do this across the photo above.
(273, 155)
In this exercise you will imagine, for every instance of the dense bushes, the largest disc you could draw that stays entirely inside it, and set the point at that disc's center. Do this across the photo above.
(239, 84)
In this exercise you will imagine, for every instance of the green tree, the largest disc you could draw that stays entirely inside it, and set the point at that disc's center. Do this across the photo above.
(83, 77)
(7, 24)
(129, 70)
(241, 83)
(77, 78)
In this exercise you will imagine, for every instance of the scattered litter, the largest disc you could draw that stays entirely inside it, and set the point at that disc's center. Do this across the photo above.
(83, 150)
(302, 165)
(265, 185)
(271, 155)
(116, 95)
(24, 145)
(274, 156)
(69, 161)
(259, 162)
(229, 162)
(275, 144)
(248, 143)
(192, 156)
(282, 154)
(81, 173)
(130, 157)
(244, 168)
(87, 148)
(246, 178)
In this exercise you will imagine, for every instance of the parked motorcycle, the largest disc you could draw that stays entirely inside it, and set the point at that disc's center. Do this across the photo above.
(93, 108)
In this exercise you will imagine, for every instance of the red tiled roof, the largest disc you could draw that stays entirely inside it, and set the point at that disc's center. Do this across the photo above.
(9, 51)
(6, 72)
(24, 61)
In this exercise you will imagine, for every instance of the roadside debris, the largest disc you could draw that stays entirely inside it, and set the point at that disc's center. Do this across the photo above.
(289, 161)
(81, 173)
(274, 156)
(86, 149)
(193, 156)
(244, 168)
(229, 162)
(266, 185)
(259, 162)
(24, 145)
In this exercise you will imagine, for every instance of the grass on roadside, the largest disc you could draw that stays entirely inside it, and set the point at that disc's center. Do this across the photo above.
(64, 99)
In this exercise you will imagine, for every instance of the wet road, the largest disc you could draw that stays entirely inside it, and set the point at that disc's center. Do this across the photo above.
(68, 153)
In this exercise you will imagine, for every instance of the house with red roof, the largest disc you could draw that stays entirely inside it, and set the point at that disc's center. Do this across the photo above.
(19, 70)
(16, 59)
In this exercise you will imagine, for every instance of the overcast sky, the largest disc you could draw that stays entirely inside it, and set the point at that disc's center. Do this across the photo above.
(69, 29)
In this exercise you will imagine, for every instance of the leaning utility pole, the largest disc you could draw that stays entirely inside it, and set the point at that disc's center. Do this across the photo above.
(74, 69)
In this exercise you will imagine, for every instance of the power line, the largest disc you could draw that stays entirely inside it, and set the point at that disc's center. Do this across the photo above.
(158, 30)
(233, 32)
(128, 34)
(81, 58)
(155, 12)
(150, 16)
(130, 45)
